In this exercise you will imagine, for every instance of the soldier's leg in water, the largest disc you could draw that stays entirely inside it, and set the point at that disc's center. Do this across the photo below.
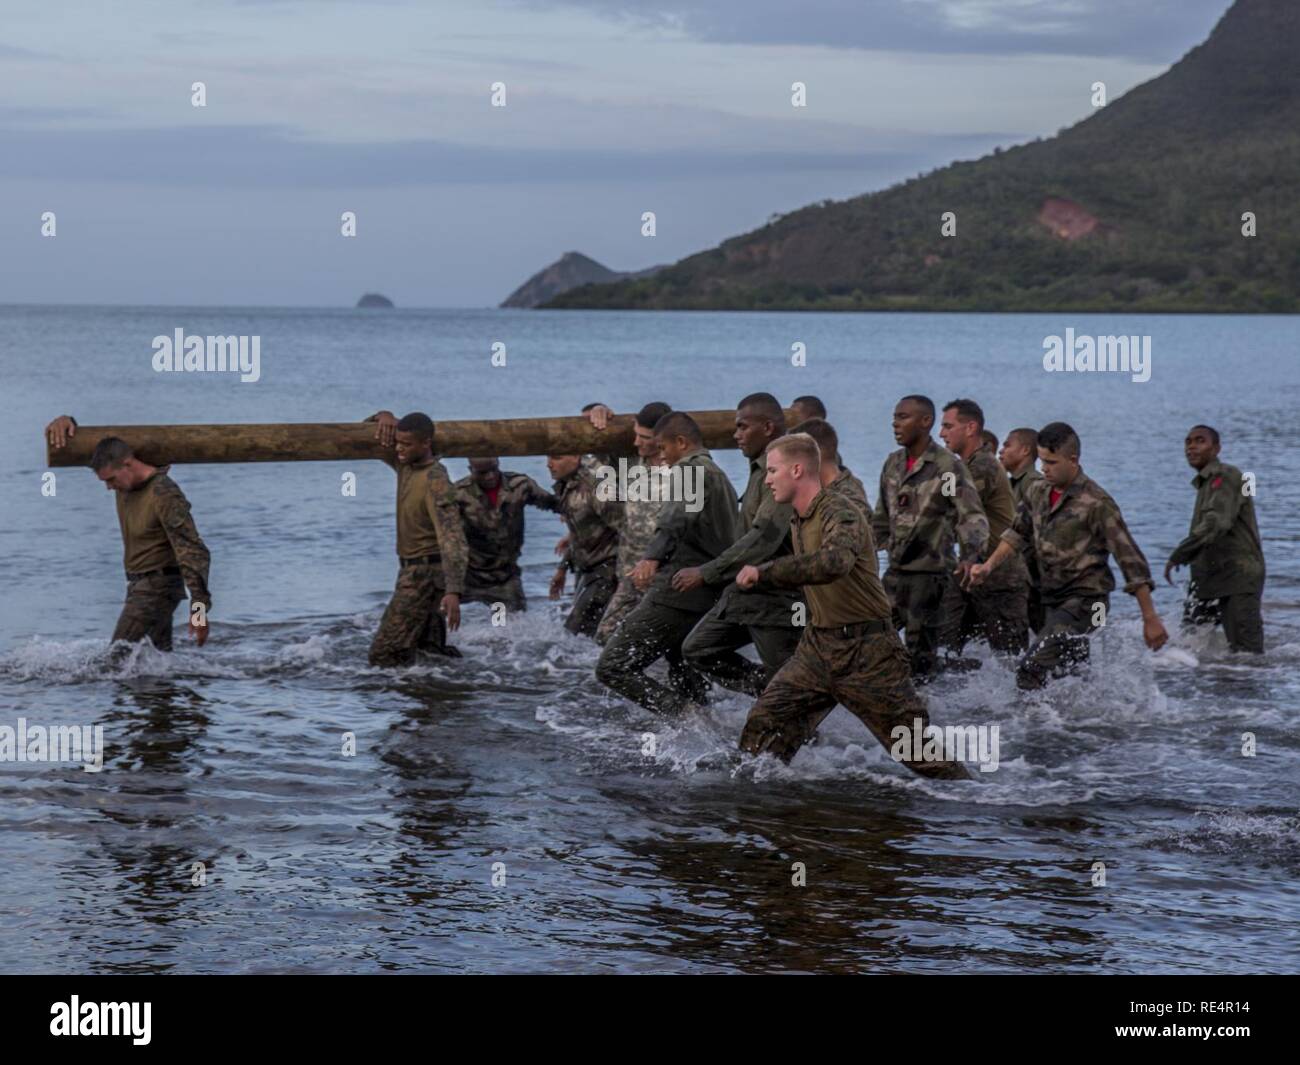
(1243, 621)
(1062, 646)
(791, 707)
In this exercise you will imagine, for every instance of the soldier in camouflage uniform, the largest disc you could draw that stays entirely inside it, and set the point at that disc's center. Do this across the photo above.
(1018, 457)
(927, 502)
(849, 653)
(683, 538)
(639, 518)
(998, 610)
(1223, 548)
(834, 477)
(1074, 526)
(161, 547)
(492, 513)
(431, 548)
(593, 516)
(764, 617)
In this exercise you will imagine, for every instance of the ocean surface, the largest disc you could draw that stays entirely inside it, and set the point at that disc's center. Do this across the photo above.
(501, 812)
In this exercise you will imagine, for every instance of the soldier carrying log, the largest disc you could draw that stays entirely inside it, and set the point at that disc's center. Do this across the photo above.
(162, 550)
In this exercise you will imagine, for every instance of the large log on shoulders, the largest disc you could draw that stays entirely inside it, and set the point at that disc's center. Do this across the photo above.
(349, 441)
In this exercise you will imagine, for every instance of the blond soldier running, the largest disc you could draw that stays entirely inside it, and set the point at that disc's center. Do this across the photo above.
(431, 548)
(162, 550)
(849, 653)
(1075, 527)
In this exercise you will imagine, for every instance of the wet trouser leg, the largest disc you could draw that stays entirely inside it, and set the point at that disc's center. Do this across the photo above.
(147, 612)
(650, 632)
(1062, 644)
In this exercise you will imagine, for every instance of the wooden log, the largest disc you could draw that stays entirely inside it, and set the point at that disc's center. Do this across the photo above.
(349, 441)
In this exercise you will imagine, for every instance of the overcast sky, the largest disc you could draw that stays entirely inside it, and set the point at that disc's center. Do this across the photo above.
(383, 107)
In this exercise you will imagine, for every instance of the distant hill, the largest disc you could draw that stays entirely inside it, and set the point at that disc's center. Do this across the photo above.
(569, 271)
(373, 299)
(1137, 208)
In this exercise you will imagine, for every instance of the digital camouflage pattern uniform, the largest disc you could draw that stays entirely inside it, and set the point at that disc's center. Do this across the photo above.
(1073, 541)
(433, 557)
(997, 610)
(850, 652)
(1227, 559)
(638, 529)
(1023, 485)
(593, 524)
(162, 553)
(920, 514)
(495, 536)
(664, 618)
(764, 617)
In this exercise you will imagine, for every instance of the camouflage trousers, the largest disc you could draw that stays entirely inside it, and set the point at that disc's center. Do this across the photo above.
(592, 590)
(147, 612)
(1062, 643)
(868, 674)
(621, 604)
(412, 621)
(510, 592)
(999, 615)
(918, 611)
(712, 645)
(652, 631)
(1240, 616)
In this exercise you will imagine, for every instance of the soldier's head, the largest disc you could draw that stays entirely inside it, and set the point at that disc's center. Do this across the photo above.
(115, 464)
(643, 431)
(562, 466)
(676, 435)
(793, 467)
(486, 473)
(759, 421)
(1058, 451)
(809, 407)
(989, 439)
(963, 422)
(414, 438)
(1019, 450)
(828, 445)
(913, 419)
(1201, 446)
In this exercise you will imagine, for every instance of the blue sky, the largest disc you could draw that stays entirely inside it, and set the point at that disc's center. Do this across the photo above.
(613, 108)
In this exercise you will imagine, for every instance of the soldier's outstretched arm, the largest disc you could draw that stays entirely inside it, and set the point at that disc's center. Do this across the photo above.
(842, 540)
(537, 496)
(61, 430)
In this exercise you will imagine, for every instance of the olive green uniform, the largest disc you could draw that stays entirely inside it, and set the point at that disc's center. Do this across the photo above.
(432, 556)
(162, 553)
(849, 653)
(1227, 559)
(920, 515)
(1023, 485)
(495, 537)
(764, 617)
(594, 523)
(1073, 541)
(664, 618)
(998, 610)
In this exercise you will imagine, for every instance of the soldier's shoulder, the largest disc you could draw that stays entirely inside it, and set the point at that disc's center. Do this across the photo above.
(1097, 496)
(464, 484)
(1229, 473)
(164, 489)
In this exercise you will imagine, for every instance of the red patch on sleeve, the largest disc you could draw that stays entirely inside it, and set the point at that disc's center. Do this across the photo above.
(1216, 482)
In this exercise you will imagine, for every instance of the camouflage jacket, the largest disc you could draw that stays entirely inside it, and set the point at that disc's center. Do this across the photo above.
(158, 532)
(428, 520)
(834, 561)
(1223, 545)
(764, 533)
(640, 515)
(592, 519)
(1023, 484)
(685, 538)
(922, 512)
(495, 535)
(999, 503)
(1074, 539)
